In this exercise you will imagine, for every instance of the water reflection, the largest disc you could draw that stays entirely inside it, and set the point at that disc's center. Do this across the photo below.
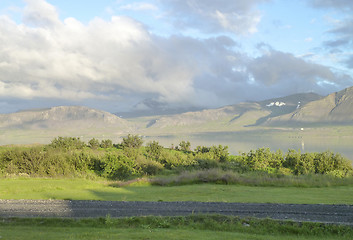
(243, 143)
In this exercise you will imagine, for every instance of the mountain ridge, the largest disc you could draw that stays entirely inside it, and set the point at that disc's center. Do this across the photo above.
(304, 108)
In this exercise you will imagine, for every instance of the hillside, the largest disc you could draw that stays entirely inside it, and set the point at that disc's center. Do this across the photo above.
(233, 117)
(336, 108)
(69, 117)
(221, 116)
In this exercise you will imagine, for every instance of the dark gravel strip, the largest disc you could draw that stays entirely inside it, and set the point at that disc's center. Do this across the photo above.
(341, 214)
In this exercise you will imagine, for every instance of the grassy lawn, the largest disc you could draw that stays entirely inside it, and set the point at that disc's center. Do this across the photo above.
(193, 227)
(80, 189)
(23, 233)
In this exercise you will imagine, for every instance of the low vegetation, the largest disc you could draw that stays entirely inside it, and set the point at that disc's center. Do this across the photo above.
(69, 168)
(188, 227)
(103, 190)
(71, 157)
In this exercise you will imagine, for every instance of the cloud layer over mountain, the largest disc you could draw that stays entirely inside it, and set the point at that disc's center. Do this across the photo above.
(113, 64)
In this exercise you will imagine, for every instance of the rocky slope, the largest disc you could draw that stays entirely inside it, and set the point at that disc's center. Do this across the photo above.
(332, 109)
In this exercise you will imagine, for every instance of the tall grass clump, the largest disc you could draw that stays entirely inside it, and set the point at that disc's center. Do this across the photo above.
(218, 176)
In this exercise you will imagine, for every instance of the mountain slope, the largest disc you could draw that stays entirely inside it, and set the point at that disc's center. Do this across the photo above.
(226, 114)
(232, 117)
(60, 117)
(285, 105)
(335, 108)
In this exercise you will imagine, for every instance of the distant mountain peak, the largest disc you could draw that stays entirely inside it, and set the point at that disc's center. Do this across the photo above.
(334, 108)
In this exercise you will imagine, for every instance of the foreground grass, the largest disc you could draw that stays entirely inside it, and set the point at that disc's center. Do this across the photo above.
(81, 189)
(191, 227)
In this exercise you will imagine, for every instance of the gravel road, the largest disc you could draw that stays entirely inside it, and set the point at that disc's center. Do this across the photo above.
(341, 214)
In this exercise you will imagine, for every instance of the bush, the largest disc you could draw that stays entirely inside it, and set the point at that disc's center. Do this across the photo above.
(154, 150)
(202, 149)
(68, 157)
(107, 143)
(292, 160)
(68, 143)
(220, 153)
(149, 167)
(132, 141)
(262, 159)
(206, 163)
(184, 146)
(118, 167)
(93, 143)
(175, 159)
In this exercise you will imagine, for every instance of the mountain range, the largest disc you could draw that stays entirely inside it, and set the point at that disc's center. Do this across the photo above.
(306, 109)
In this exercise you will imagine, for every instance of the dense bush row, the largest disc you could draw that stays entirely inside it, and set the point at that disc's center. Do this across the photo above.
(66, 156)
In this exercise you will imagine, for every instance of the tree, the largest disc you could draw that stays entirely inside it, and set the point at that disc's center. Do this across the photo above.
(132, 141)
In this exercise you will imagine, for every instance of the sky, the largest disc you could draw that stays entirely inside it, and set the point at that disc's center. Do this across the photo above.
(119, 55)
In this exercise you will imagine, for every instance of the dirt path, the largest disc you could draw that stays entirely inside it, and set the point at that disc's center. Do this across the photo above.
(342, 214)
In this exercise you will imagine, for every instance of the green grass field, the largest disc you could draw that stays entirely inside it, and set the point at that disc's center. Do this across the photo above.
(76, 233)
(192, 227)
(164, 227)
(81, 189)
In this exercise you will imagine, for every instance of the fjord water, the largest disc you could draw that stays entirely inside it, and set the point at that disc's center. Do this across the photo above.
(238, 142)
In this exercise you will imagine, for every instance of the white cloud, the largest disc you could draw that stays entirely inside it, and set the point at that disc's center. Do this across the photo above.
(239, 17)
(342, 29)
(343, 5)
(117, 62)
(40, 13)
(70, 60)
(139, 6)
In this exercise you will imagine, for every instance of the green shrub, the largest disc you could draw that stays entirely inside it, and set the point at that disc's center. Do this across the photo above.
(107, 143)
(202, 149)
(132, 141)
(292, 160)
(261, 159)
(118, 167)
(66, 156)
(149, 167)
(220, 153)
(205, 163)
(184, 146)
(93, 143)
(175, 159)
(68, 143)
(154, 150)
(306, 164)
